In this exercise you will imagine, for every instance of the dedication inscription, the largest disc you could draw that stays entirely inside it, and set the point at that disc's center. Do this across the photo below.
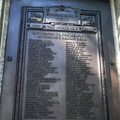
(62, 74)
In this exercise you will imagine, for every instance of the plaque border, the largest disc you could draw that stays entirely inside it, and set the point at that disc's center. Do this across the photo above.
(19, 82)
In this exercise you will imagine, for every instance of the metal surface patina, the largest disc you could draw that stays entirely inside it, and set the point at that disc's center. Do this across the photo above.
(60, 62)
(61, 65)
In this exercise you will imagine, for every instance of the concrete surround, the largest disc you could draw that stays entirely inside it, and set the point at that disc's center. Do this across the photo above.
(4, 16)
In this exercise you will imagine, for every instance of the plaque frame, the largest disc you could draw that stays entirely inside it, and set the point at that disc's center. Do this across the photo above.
(83, 28)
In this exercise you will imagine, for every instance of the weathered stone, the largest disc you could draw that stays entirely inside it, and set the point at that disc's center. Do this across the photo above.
(4, 15)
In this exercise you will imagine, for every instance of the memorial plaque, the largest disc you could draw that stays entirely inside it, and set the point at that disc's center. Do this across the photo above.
(61, 65)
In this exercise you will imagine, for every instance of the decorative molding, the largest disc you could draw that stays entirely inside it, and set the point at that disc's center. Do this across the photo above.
(35, 17)
(88, 20)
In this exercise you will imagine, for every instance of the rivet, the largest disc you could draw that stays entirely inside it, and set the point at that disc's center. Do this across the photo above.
(52, 24)
(9, 58)
(111, 62)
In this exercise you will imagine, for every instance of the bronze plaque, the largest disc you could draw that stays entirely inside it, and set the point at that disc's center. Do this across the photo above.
(61, 65)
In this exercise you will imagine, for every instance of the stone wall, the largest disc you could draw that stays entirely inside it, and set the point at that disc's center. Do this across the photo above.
(4, 15)
(115, 11)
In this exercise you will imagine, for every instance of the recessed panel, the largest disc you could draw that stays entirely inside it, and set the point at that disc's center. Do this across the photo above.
(62, 65)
